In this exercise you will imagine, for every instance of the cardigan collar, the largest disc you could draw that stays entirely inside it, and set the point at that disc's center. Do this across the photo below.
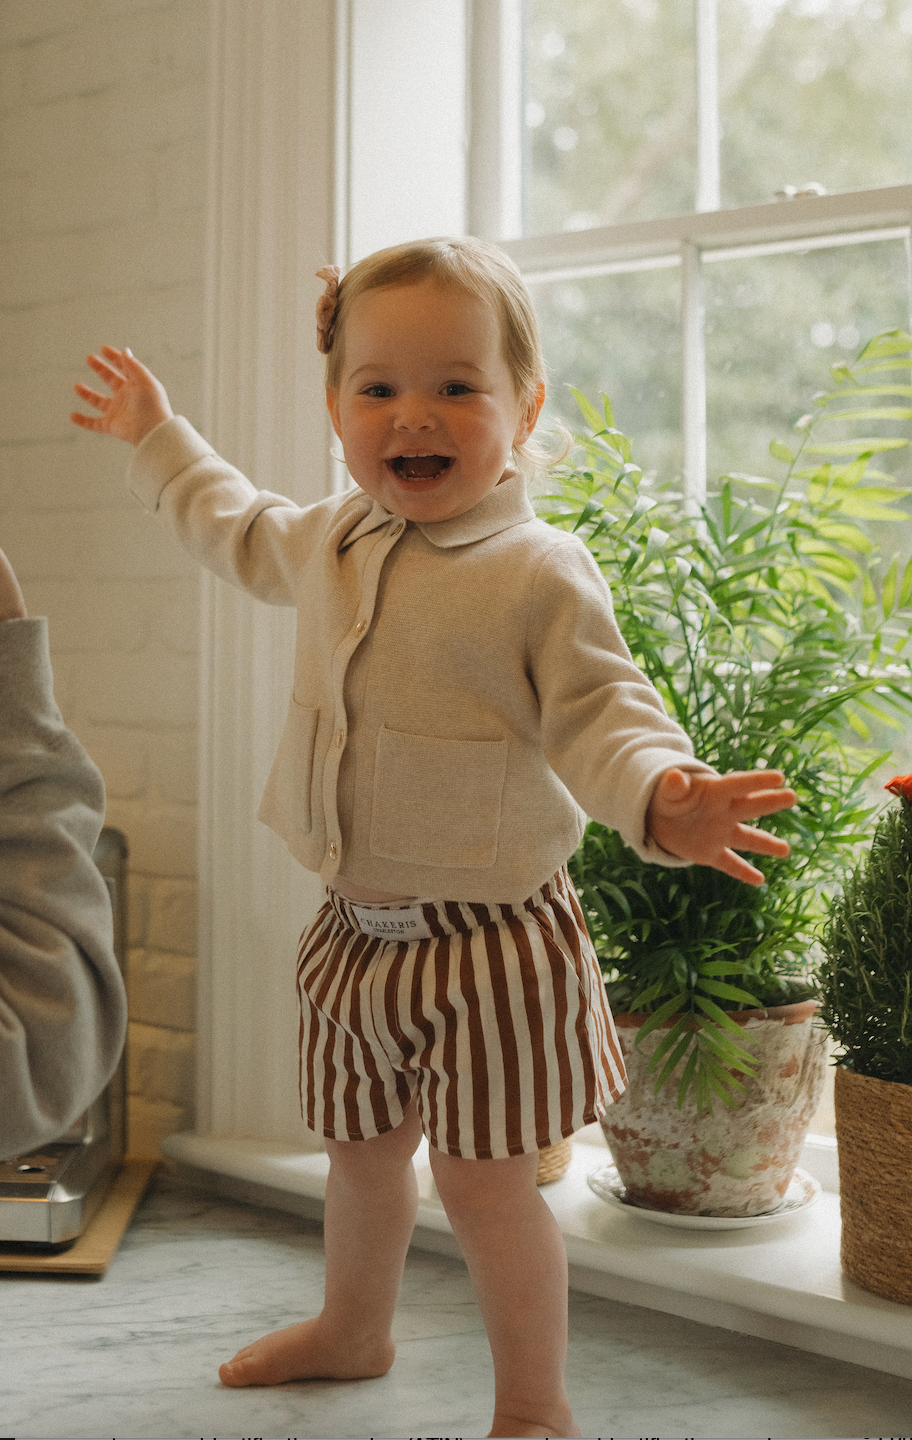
(506, 505)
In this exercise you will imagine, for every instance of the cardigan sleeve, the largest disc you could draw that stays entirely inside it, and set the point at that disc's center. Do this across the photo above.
(251, 538)
(62, 1000)
(605, 731)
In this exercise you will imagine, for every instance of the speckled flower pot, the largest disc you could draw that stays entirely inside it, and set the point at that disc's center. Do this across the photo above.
(732, 1162)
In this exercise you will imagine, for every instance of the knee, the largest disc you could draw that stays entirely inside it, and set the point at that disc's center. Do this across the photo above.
(390, 1151)
(470, 1188)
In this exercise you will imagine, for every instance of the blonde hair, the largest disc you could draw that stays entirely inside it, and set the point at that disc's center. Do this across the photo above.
(476, 266)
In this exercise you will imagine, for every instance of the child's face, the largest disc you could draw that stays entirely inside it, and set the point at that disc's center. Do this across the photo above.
(426, 409)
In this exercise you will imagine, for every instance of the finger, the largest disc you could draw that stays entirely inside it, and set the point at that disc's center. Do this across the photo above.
(750, 782)
(108, 374)
(127, 361)
(672, 790)
(739, 868)
(92, 397)
(766, 802)
(760, 842)
(87, 422)
(675, 784)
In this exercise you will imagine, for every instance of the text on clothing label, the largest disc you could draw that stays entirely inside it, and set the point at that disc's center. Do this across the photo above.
(407, 924)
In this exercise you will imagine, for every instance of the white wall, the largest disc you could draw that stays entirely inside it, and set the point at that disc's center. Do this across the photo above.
(102, 186)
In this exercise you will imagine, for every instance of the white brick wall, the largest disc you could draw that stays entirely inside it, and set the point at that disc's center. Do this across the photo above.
(102, 132)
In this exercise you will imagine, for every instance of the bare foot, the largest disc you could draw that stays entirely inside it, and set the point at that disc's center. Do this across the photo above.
(512, 1425)
(302, 1352)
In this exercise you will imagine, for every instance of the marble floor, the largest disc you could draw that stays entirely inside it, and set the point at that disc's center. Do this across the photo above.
(136, 1353)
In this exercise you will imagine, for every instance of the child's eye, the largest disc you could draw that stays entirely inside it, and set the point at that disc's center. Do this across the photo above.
(378, 392)
(456, 388)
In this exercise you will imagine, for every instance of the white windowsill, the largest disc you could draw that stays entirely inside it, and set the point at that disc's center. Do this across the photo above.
(780, 1282)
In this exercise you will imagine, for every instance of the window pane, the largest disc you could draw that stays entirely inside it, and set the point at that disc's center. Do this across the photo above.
(609, 111)
(814, 91)
(774, 325)
(619, 334)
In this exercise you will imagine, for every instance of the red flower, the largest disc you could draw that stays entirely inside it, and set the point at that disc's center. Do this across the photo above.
(900, 785)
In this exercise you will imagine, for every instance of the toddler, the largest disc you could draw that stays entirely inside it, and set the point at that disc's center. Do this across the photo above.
(462, 698)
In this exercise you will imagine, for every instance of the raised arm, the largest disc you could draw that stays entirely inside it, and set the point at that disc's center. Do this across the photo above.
(701, 818)
(137, 402)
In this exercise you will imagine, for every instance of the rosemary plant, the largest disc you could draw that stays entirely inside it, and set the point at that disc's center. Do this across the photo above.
(761, 621)
(865, 976)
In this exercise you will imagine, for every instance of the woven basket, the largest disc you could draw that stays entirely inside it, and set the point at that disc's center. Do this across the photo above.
(554, 1162)
(874, 1135)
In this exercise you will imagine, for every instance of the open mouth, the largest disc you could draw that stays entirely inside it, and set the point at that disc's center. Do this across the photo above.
(420, 467)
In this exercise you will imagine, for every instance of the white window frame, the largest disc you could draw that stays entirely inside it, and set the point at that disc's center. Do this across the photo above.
(687, 241)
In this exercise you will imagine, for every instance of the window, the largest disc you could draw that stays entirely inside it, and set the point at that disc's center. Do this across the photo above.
(715, 204)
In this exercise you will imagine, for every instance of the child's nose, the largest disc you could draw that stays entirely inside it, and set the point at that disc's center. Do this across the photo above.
(414, 412)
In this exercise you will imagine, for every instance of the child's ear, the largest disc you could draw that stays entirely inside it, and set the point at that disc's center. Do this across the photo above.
(530, 415)
(332, 405)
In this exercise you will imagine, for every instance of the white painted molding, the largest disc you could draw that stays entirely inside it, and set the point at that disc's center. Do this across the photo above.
(495, 119)
(271, 225)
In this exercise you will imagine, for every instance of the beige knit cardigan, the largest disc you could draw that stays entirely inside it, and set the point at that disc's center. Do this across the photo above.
(462, 695)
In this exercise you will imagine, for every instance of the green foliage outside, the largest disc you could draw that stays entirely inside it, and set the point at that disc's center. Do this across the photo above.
(818, 91)
(775, 640)
(865, 977)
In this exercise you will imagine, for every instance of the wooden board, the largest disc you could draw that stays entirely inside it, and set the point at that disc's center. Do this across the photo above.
(96, 1247)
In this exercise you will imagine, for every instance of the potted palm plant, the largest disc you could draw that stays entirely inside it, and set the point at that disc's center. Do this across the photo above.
(775, 639)
(865, 981)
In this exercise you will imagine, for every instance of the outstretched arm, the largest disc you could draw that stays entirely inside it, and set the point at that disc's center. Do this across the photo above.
(137, 403)
(701, 818)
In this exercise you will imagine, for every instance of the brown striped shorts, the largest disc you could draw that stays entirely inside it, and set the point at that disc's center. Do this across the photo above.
(496, 1026)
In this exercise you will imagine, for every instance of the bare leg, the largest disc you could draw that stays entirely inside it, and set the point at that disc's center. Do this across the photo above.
(518, 1264)
(371, 1202)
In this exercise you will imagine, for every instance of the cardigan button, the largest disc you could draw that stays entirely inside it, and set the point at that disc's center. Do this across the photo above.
(340, 738)
(333, 849)
(360, 627)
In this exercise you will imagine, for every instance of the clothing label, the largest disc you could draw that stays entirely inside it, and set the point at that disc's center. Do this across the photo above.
(407, 924)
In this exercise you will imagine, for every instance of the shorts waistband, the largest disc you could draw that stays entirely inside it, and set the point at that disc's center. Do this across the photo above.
(432, 919)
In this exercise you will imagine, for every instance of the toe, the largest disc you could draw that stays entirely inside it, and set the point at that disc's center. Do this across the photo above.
(235, 1372)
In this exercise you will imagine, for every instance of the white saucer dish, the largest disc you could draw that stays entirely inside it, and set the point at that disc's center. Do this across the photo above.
(802, 1193)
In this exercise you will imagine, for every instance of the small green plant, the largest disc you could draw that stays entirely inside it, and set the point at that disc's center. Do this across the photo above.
(865, 977)
(761, 620)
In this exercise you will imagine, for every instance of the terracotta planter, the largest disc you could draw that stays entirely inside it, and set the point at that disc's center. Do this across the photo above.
(733, 1162)
(874, 1136)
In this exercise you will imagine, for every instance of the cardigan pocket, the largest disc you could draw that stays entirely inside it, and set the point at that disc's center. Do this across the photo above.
(436, 801)
(286, 803)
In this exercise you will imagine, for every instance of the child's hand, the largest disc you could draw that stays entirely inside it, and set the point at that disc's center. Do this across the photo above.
(700, 818)
(137, 403)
